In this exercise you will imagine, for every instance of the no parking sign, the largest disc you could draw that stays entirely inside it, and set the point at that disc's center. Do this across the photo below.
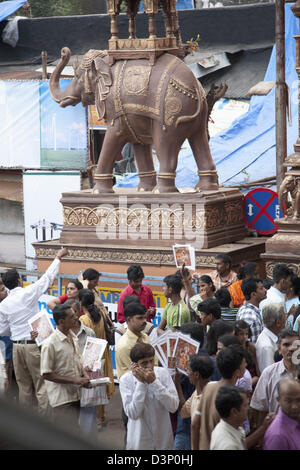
(261, 210)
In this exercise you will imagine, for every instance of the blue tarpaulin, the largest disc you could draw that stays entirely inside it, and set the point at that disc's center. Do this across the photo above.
(8, 8)
(247, 150)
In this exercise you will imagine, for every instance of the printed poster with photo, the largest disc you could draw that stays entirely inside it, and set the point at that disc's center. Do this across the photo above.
(42, 324)
(185, 348)
(174, 349)
(93, 351)
(184, 255)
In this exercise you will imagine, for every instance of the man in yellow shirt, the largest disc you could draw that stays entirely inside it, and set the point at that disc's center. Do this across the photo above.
(136, 319)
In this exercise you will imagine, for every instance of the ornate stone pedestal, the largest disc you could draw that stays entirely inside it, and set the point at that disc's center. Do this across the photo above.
(283, 247)
(111, 231)
(127, 218)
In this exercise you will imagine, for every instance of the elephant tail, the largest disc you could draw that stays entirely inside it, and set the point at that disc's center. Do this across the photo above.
(201, 98)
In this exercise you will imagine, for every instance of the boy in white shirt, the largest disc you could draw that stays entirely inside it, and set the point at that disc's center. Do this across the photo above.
(232, 405)
(148, 395)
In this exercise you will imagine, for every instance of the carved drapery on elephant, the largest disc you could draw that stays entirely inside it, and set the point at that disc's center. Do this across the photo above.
(158, 105)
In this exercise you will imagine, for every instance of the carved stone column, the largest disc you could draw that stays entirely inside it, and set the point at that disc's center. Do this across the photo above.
(284, 246)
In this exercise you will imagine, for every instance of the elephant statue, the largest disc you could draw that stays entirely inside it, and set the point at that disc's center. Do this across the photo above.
(145, 105)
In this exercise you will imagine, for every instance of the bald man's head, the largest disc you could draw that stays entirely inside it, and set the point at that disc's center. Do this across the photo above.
(289, 397)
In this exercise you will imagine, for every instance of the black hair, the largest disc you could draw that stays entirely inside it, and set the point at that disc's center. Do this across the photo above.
(178, 273)
(76, 283)
(250, 285)
(228, 340)
(195, 330)
(71, 302)
(277, 356)
(223, 297)
(210, 306)
(247, 269)
(225, 258)
(232, 341)
(281, 271)
(59, 312)
(135, 272)
(207, 280)
(295, 280)
(87, 300)
(140, 351)
(242, 325)
(267, 283)
(90, 274)
(202, 364)
(174, 282)
(228, 397)
(217, 329)
(230, 359)
(11, 278)
(286, 333)
(129, 299)
(134, 308)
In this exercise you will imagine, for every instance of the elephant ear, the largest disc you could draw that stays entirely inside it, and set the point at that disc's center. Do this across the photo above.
(103, 84)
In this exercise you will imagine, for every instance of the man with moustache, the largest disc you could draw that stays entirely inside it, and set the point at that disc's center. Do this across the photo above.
(61, 367)
(265, 395)
(223, 276)
(136, 318)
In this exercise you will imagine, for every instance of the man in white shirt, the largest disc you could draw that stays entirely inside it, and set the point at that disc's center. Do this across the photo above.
(15, 310)
(148, 395)
(264, 398)
(282, 283)
(266, 344)
(232, 405)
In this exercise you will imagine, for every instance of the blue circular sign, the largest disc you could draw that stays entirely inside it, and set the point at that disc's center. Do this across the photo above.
(261, 210)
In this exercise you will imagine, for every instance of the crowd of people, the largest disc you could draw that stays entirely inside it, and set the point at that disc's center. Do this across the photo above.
(242, 389)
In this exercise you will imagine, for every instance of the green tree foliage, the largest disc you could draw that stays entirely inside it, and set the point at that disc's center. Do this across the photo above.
(55, 7)
(40, 8)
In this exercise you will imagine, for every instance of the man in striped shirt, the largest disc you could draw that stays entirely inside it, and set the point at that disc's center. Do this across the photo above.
(254, 292)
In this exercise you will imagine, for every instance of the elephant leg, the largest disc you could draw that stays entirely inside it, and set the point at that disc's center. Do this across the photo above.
(103, 176)
(167, 149)
(208, 177)
(146, 171)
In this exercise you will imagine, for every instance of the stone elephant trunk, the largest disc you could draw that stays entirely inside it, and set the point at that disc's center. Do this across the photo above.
(63, 97)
